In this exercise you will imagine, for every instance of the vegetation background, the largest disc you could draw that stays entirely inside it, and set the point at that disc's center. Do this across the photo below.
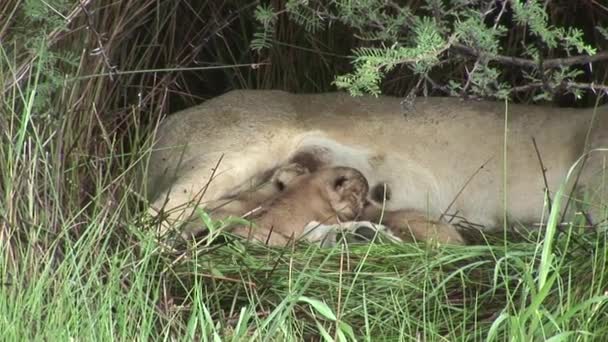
(85, 83)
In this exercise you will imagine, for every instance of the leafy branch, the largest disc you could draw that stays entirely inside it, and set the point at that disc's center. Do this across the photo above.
(436, 33)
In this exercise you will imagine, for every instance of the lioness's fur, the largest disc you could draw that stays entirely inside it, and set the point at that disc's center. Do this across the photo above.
(425, 155)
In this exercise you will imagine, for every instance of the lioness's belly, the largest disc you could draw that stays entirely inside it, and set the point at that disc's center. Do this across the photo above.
(443, 153)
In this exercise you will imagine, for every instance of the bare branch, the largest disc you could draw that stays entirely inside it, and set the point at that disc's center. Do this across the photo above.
(528, 63)
(588, 86)
(543, 169)
(445, 212)
(564, 86)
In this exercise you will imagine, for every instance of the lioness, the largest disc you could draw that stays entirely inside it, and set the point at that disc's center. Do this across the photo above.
(444, 153)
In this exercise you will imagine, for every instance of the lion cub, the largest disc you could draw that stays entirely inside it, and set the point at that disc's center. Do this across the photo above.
(282, 209)
(295, 203)
(329, 196)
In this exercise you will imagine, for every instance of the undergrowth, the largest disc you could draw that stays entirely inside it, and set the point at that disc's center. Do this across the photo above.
(83, 88)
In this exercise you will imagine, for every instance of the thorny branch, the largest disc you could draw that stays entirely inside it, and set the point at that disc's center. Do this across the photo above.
(564, 85)
(100, 49)
(529, 63)
(53, 37)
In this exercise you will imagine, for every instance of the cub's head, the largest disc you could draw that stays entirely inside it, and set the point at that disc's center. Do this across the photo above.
(345, 189)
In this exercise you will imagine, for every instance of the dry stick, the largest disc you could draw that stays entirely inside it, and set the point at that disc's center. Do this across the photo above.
(269, 233)
(463, 187)
(267, 284)
(543, 169)
(166, 200)
(522, 62)
(563, 85)
(203, 191)
(452, 216)
(586, 154)
(100, 50)
(200, 194)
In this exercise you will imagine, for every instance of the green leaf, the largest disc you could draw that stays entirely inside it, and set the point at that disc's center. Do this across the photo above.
(207, 220)
(319, 306)
(324, 333)
(347, 329)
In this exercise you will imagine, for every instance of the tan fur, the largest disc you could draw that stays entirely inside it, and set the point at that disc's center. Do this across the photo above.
(425, 156)
(329, 196)
(248, 196)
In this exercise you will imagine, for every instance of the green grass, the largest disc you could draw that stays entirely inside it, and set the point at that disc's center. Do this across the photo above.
(99, 271)
(395, 292)
(80, 258)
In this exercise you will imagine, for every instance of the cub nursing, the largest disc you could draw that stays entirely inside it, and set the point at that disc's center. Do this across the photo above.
(297, 203)
(475, 158)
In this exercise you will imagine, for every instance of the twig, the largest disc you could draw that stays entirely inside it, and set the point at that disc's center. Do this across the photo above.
(467, 84)
(590, 86)
(543, 169)
(100, 50)
(528, 63)
(564, 85)
(584, 161)
(463, 187)
(499, 16)
(434, 85)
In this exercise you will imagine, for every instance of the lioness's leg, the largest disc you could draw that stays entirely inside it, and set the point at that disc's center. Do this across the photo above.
(328, 235)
